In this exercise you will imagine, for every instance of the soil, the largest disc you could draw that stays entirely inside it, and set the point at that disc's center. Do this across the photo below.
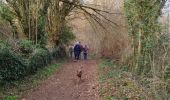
(66, 85)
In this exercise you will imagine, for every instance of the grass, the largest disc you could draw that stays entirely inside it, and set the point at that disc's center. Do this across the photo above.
(12, 91)
(44, 73)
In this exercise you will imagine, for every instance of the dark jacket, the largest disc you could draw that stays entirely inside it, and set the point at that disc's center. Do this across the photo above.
(77, 48)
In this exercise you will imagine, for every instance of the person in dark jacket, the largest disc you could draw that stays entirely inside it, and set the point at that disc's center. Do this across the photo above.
(77, 51)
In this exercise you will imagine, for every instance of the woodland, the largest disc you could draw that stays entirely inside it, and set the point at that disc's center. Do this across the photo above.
(128, 37)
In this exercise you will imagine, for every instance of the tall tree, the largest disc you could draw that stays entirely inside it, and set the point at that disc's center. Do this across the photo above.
(142, 18)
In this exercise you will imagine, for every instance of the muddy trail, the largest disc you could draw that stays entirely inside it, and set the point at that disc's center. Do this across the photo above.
(65, 84)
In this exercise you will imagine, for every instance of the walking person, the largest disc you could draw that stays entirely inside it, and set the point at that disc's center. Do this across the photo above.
(71, 50)
(85, 51)
(77, 51)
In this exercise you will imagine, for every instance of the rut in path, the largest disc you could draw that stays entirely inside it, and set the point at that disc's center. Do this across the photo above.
(64, 84)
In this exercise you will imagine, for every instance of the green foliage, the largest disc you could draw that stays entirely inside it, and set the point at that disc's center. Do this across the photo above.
(150, 56)
(163, 56)
(42, 38)
(14, 67)
(33, 22)
(55, 53)
(26, 46)
(107, 63)
(39, 59)
(109, 98)
(142, 16)
(44, 73)
(167, 73)
(5, 12)
(59, 53)
(11, 65)
(7, 15)
(66, 36)
(11, 98)
(27, 83)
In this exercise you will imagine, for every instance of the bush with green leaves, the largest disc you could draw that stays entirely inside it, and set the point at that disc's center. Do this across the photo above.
(11, 97)
(11, 64)
(39, 59)
(26, 46)
(54, 53)
(14, 66)
(66, 36)
(58, 53)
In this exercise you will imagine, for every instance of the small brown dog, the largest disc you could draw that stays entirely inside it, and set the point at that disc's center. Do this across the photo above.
(79, 73)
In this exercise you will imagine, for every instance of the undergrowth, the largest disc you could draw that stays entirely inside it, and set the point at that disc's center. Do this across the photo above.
(117, 83)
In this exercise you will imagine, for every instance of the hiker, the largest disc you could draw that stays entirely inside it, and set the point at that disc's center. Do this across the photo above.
(85, 51)
(77, 50)
(71, 50)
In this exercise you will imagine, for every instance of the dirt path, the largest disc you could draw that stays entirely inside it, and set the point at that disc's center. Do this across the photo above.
(64, 85)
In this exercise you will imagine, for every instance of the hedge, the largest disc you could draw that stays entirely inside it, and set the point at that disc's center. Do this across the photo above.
(12, 66)
(39, 58)
(26, 46)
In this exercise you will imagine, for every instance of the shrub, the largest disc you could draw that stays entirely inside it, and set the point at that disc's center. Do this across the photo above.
(55, 53)
(26, 46)
(14, 66)
(167, 73)
(58, 53)
(11, 97)
(11, 65)
(66, 36)
(39, 58)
